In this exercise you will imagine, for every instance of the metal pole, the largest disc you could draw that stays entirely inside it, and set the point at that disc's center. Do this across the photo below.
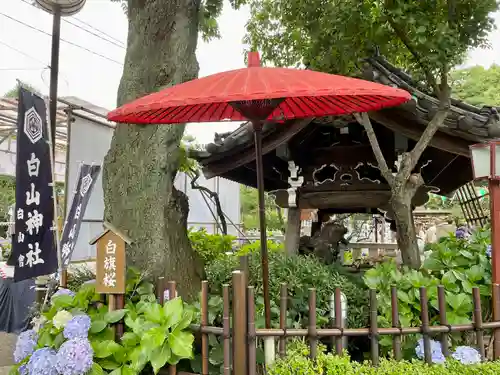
(257, 127)
(54, 70)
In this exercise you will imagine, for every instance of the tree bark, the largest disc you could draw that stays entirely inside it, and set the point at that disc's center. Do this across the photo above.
(140, 167)
(403, 216)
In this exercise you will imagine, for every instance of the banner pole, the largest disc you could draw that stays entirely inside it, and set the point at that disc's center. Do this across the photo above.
(52, 151)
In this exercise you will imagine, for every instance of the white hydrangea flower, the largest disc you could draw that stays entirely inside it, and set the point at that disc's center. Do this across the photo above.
(61, 318)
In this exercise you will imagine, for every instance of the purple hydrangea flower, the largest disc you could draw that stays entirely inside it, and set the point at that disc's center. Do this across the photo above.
(466, 355)
(22, 370)
(437, 355)
(488, 251)
(63, 292)
(460, 233)
(77, 327)
(42, 362)
(25, 345)
(75, 357)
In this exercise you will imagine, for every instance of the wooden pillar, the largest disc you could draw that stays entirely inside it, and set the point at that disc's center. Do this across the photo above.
(292, 234)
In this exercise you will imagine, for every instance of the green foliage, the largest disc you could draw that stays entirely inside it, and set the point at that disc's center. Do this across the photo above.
(457, 264)
(210, 246)
(154, 335)
(477, 85)
(299, 273)
(297, 362)
(13, 92)
(250, 211)
(333, 36)
(79, 276)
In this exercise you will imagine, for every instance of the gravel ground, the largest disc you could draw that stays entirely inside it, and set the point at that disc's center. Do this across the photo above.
(7, 343)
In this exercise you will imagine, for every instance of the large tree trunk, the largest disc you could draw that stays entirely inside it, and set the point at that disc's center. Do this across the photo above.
(402, 195)
(406, 236)
(141, 164)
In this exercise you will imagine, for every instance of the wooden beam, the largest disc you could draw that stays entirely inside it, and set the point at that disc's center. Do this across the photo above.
(413, 130)
(246, 156)
(349, 155)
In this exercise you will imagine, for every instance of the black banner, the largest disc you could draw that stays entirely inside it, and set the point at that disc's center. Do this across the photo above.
(86, 181)
(33, 246)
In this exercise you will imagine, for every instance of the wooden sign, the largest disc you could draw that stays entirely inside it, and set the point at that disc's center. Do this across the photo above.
(110, 262)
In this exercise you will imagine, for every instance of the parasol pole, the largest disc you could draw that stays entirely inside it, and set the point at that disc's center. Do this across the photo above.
(257, 127)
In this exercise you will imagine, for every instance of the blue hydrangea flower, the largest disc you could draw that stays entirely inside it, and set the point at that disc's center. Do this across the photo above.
(460, 233)
(75, 357)
(22, 370)
(437, 355)
(488, 251)
(42, 362)
(63, 292)
(466, 355)
(25, 345)
(78, 326)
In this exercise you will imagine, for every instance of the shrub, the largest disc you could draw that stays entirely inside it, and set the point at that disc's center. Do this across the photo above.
(456, 263)
(299, 273)
(78, 277)
(298, 363)
(74, 336)
(210, 246)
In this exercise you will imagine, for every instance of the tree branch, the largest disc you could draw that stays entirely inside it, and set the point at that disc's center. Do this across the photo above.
(364, 120)
(406, 41)
(433, 125)
(213, 195)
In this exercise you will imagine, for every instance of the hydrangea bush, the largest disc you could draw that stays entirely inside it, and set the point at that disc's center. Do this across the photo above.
(464, 361)
(75, 335)
(459, 262)
(463, 354)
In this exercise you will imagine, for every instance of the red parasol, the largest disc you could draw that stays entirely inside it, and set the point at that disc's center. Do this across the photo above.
(259, 94)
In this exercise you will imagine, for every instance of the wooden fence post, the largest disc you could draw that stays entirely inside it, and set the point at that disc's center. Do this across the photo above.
(240, 359)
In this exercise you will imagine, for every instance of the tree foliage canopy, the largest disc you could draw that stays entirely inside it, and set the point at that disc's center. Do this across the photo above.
(424, 36)
(477, 85)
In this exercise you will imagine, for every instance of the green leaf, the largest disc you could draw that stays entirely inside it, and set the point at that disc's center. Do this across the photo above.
(187, 318)
(115, 315)
(432, 264)
(45, 339)
(108, 364)
(145, 288)
(58, 340)
(153, 312)
(456, 319)
(103, 349)
(129, 339)
(138, 359)
(216, 356)
(96, 370)
(117, 371)
(154, 338)
(160, 357)
(181, 343)
(174, 310)
(475, 273)
(62, 302)
(98, 326)
(448, 279)
(460, 303)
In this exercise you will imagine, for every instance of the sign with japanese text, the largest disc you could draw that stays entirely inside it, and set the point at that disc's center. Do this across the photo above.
(86, 181)
(110, 264)
(33, 246)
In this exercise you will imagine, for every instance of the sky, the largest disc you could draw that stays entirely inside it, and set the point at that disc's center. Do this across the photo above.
(91, 63)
